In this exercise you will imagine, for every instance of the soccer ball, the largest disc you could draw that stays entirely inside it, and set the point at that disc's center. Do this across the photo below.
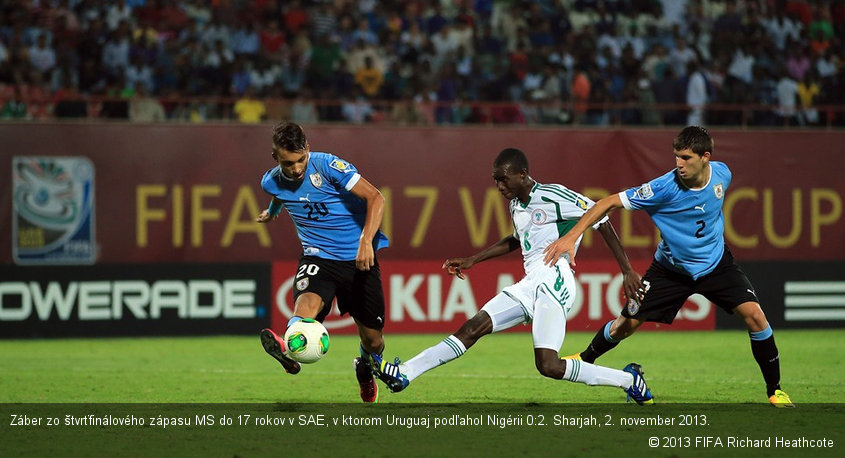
(307, 340)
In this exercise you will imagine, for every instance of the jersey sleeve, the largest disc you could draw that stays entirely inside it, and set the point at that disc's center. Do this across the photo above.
(573, 205)
(645, 196)
(341, 173)
(267, 182)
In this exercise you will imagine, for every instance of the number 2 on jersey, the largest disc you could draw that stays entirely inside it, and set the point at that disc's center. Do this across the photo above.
(701, 225)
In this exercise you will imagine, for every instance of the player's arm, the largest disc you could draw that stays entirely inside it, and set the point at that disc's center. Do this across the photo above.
(271, 213)
(366, 257)
(631, 280)
(455, 265)
(566, 244)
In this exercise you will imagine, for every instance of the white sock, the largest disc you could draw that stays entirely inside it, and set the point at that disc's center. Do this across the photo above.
(591, 374)
(445, 351)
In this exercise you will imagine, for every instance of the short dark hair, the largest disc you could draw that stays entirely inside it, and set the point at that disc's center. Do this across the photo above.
(695, 138)
(512, 156)
(289, 136)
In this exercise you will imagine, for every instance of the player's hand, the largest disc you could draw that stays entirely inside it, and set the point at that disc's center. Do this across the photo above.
(632, 283)
(454, 266)
(558, 248)
(265, 217)
(366, 258)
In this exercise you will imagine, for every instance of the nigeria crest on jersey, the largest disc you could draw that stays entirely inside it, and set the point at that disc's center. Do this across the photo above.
(538, 216)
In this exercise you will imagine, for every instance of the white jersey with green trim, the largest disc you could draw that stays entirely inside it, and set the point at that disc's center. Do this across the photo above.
(552, 210)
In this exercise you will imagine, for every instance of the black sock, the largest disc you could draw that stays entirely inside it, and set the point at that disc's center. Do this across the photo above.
(599, 346)
(766, 353)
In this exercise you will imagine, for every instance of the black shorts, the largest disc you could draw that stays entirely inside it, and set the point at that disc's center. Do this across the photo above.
(667, 290)
(358, 292)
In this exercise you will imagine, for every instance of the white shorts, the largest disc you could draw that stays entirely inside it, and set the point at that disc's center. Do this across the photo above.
(543, 297)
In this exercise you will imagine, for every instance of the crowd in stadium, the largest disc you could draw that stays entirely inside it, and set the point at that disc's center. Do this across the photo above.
(594, 62)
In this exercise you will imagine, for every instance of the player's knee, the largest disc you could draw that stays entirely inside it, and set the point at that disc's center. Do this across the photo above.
(475, 328)
(550, 367)
(623, 329)
(372, 340)
(753, 316)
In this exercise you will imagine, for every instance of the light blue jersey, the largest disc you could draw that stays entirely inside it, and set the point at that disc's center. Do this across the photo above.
(691, 223)
(328, 217)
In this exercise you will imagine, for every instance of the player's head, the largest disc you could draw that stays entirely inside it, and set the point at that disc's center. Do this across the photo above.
(290, 149)
(510, 172)
(692, 147)
(694, 138)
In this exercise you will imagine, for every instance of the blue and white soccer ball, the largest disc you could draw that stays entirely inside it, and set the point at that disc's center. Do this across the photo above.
(307, 341)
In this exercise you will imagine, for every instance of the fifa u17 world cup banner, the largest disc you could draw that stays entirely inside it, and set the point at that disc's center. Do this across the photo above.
(176, 193)
(421, 297)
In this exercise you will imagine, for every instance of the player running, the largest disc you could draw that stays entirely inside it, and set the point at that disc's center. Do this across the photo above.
(686, 205)
(337, 214)
(541, 214)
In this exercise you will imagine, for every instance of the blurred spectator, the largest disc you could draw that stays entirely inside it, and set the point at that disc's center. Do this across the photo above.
(15, 107)
(272, 39)
(41, 56)
(696, 94)
(116, 13)
(115, 56)
(499, 49)
(581, 88)
(302, 109)
(798, 63)
(787, 92)
(809, 93)
(143, 108)
(369, 78)
(782, 29)
(357, 110)
(820, 31)
(69, 103)
(324, 20)
(295, 16)
(681, 56)
(245, 40)
(114, 106)
(248, 108)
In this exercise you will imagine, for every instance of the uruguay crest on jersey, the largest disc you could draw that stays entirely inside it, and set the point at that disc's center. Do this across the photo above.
(719, 190)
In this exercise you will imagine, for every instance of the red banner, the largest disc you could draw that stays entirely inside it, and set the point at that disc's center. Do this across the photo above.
(420, 297)
(180, 193)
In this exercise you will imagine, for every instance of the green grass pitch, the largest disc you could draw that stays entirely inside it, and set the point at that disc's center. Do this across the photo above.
(680, 367)
(695, 375)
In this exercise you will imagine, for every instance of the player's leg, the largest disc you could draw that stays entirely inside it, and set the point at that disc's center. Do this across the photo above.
(372, 343)
(728, 286)
(548, 332)
(307, 306)
(664, 294)
(765, 351)
(608, 337)
(500, 312)
(314, 286)
(361, 294)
